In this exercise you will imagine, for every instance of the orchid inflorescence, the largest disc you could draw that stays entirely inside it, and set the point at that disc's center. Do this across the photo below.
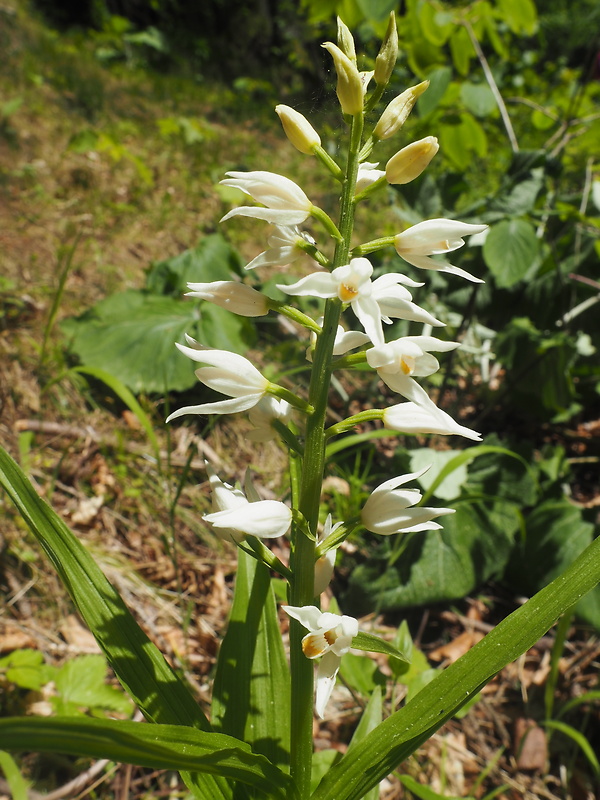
(343, 280)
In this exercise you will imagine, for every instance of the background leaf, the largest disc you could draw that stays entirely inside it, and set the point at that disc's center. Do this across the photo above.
(510, 250)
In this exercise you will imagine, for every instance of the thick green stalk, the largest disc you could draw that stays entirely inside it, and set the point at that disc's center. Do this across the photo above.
(303, 553)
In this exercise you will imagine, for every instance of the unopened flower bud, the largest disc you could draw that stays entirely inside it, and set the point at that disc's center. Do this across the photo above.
(386, 59)
(349, 86)
(298, 129)
(234, 296)
(410, 162)
(345, 40)
(396, 114)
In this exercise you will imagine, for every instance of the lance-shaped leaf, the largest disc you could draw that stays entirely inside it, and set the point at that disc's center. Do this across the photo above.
(175, 747)
(251, 691)
(138, 664)
(406, 730)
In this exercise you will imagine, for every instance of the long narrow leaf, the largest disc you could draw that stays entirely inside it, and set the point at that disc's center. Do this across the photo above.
(138, 664)
(174, 747)
(579, 738)
(251, 691)
(402, 733)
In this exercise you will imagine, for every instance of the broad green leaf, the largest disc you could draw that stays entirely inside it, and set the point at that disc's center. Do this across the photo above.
(439, 80)
(213, 259)
(450, 487)
(461, 138)
(141, 668)
(407, 729)
(556, 534)
(436, 25)
(437, 566)
(478, 98)
(510, 250)
(81, 683)
(374, 644)
(361, 674)
(519, 15)
(27, 669)
(251, 690)
(377, 10)
(132, 336)
(175, 747)
(461, 50)
(16, 782)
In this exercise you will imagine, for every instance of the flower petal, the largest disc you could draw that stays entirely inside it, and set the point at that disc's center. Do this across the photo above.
(277, 216)
(308, 616)
(326, 675)
(267, 519)
(318, 284)
(231, 406)
(426, 262)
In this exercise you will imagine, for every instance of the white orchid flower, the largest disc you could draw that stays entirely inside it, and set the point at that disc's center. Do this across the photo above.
(387, 511)
(262, 416)
(330, 636)
(233, 296)
(367, 175)
(413, 419)
(234, 516)
(228, 373)
(283, 248)
(286, 203)
(435, 237)
(398, 361)
(325, 565)
(395, 301)
(351, 284)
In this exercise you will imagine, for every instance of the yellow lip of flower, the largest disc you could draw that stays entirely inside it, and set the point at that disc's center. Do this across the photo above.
(347, 292)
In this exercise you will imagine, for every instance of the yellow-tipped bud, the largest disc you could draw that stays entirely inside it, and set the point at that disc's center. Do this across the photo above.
(386, 59)
(410, 162)
(396, 114)
(349, 86)
(345, 40)
(298, 129)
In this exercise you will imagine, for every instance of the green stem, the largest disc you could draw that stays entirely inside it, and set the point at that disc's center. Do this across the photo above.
(372, 247)
(347, 424)
(302, 559)
(285, 394)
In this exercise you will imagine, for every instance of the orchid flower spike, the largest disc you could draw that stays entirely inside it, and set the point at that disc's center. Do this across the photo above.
(234, 516)
(283, 248)
(435, 237)
(330, 635)
(286, 203)
(387, 511)
(228, 373)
